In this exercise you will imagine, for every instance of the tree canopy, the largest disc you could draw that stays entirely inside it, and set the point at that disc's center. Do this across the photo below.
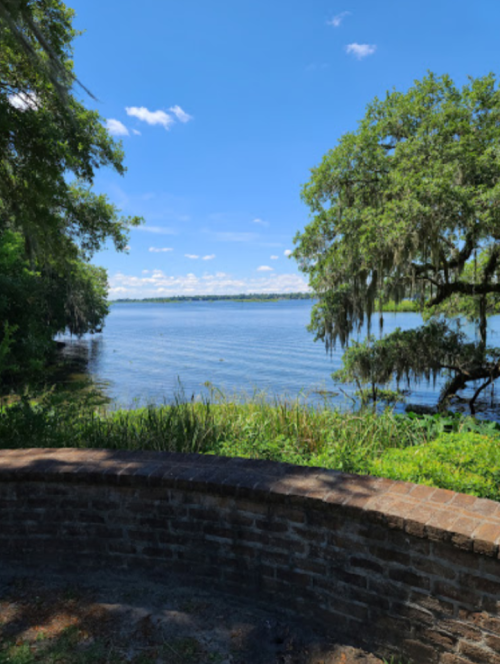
(51, 145)
(408, 206)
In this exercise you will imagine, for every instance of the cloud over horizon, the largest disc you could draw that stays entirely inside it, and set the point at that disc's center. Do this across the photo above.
(150, 117)
(360, 51)
(181, 115)
(159, 284)
(158, 250)
(116, 128)
(336, 21)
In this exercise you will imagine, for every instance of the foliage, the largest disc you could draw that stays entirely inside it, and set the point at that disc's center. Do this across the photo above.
(411, 355)
(51, 221)
(286, 431)
(468, 463)
(408, 206)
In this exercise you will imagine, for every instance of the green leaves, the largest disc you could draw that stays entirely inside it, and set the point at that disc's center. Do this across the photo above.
(51, 220)
(466, 462)
(402, 208)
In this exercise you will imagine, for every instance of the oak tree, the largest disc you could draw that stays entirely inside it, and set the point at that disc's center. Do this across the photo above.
(408, 206)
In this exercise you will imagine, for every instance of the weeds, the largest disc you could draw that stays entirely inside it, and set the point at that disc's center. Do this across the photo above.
(283, 430)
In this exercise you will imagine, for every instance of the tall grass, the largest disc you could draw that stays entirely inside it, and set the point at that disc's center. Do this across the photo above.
(280, 430)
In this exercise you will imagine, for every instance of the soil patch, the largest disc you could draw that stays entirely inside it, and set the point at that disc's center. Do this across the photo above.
(115, 619)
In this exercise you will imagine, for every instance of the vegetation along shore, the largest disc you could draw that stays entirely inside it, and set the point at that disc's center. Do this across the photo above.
(450, 451)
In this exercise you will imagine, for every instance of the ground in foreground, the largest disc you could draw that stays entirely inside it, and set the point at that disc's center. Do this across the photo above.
(113, 620)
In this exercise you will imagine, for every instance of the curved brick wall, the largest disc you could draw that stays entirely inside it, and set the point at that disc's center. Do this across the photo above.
(394, 566)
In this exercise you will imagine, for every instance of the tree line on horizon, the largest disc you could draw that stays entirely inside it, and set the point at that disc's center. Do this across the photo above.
(254, 297)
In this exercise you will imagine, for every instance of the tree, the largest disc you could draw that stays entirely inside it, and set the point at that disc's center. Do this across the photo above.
(408, 206)
(51, 220)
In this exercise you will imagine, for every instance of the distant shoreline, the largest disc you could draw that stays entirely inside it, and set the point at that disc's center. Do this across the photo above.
(405, 306)
(250, 297)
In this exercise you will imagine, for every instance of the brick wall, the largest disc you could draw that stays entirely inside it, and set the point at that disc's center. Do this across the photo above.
(398, 567)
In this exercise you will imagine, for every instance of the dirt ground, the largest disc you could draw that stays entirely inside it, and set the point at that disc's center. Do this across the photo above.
(115, 619)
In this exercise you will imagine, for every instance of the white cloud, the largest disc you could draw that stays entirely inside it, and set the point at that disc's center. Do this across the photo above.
(24, 101)
(181, 115)
(159, 284)
(127, 248)
(287, 252)
(151, 117)
(136, 132)
(159, 250)
(337, 20)
(209, 257)
(360, 51)
(261, 222)
(264, 268)
(161, 230)
(116, 128)
(274, 258)
(193, 256)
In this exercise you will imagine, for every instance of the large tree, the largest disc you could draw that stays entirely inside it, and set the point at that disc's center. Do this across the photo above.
(51, 146)
(408, 206)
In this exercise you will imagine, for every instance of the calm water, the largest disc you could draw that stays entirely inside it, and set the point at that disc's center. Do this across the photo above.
(145, 350)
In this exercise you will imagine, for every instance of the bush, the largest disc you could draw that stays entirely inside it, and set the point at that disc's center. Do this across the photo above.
(464, 462)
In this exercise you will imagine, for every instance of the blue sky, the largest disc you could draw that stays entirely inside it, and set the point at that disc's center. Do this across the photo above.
(223, 106)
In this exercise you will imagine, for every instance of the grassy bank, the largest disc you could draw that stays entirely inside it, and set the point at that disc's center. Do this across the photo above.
(452, 452)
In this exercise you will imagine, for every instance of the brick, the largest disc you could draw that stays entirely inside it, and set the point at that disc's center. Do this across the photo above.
(311, 566)
(442, 496)
(365, 563)
(448, 658)
(396, 514)
(446, 552)
(485, 537)
(493, 642)
(462, 629)
(477, 654)
(440, 524)
(458, 594)
(433, 568)
(409, 578)
(340, 576)
(463, 529)
(294, 577)
(420, 652)
(436, 637)
(272, 526)
(484, 507)
(490, 567)
(417, 518)
(391, 555)
(387, 588)
(418, 616)
(479, 583)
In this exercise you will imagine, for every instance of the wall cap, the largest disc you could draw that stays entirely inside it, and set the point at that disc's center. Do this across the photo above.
(467, 522)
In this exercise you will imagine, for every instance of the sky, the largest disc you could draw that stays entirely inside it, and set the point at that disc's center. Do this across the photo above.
(224, 106)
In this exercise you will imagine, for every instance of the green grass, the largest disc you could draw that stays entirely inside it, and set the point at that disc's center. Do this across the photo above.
(435, 450)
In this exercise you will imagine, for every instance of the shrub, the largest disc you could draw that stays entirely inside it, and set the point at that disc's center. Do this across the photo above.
(464, 462)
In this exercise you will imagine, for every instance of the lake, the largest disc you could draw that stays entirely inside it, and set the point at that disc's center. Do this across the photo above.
(147, 351)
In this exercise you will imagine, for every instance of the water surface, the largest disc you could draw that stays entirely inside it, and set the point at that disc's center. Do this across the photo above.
(147, 350)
